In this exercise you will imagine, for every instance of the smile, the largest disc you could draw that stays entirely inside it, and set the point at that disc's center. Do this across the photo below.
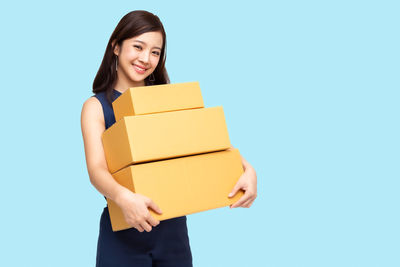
(139, 69)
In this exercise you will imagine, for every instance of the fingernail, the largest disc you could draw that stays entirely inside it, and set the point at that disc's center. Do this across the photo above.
(230, 194)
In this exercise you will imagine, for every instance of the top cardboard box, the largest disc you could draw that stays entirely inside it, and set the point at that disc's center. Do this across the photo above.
(158, 98)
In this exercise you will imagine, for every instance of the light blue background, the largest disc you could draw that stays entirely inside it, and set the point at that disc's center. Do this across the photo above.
(310, 91)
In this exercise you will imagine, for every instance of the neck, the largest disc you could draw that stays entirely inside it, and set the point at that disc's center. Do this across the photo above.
(122, 84)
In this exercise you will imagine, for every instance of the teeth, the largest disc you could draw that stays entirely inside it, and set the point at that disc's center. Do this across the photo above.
(139, 68)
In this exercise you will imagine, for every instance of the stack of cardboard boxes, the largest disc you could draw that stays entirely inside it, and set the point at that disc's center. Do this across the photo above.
(167, 146)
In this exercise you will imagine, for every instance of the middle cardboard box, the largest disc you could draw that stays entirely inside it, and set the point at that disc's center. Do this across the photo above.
(151, 137)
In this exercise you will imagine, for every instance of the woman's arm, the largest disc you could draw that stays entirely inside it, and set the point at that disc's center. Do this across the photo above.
(134, 206)
(246, 182)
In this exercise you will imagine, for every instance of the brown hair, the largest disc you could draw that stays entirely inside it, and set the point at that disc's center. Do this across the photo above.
(132, 24)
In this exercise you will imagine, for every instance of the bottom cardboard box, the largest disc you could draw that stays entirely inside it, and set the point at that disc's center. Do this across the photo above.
(181, 186)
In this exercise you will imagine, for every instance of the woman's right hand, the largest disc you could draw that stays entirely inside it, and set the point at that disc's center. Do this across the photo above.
(135, 209)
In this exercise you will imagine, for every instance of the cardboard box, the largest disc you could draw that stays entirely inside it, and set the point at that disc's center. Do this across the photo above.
(181, 186)
(150, 137)
(158, 98)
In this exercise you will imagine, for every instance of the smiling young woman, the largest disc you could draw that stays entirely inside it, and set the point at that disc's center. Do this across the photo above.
(135, 56)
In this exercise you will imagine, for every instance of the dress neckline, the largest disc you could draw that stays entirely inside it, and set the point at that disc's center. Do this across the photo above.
(118, 92)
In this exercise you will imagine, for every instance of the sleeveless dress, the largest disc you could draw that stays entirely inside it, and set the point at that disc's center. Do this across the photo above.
(166, 245)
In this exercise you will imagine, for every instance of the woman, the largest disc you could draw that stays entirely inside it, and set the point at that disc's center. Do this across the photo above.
(135, 56)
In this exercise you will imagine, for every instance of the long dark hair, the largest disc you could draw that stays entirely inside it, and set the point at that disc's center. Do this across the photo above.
(132, 24)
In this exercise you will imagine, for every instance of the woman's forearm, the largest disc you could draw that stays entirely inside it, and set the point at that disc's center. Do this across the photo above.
(103, 181)
(245, 163)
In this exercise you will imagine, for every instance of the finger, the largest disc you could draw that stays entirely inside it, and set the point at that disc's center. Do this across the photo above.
(242, 200)
(138, 227)
(152, 221)
(235, 189)
(146, 226)
(135, 225)
(248, 203)
(251, 203)
(154, 207)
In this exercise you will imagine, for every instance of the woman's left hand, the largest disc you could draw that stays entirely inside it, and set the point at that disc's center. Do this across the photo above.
(247, 182)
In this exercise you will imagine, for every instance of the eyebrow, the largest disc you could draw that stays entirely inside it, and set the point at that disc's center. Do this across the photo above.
(146, 44)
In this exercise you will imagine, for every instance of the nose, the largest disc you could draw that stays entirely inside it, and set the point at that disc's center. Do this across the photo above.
(144, 56)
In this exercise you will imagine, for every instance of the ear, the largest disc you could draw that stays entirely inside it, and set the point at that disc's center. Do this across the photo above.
(116, 48)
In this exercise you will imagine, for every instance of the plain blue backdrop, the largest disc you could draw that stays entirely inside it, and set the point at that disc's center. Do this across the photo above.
(310, 91)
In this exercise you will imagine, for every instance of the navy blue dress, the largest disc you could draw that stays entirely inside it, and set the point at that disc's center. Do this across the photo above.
(166, 245)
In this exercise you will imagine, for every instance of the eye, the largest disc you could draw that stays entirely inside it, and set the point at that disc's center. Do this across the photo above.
(137, 46)
(156, 53)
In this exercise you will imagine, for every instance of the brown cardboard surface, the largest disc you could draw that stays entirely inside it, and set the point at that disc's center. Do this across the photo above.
(151, 137)
(181, 186)
(158, 98)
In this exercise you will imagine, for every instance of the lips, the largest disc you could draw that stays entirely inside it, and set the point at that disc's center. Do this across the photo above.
(139, 69)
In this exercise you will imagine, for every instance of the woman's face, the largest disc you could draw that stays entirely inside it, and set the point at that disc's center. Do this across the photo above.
(139, 56)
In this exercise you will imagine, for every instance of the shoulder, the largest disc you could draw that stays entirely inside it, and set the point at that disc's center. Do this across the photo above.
(91, 104)
(92, 109)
